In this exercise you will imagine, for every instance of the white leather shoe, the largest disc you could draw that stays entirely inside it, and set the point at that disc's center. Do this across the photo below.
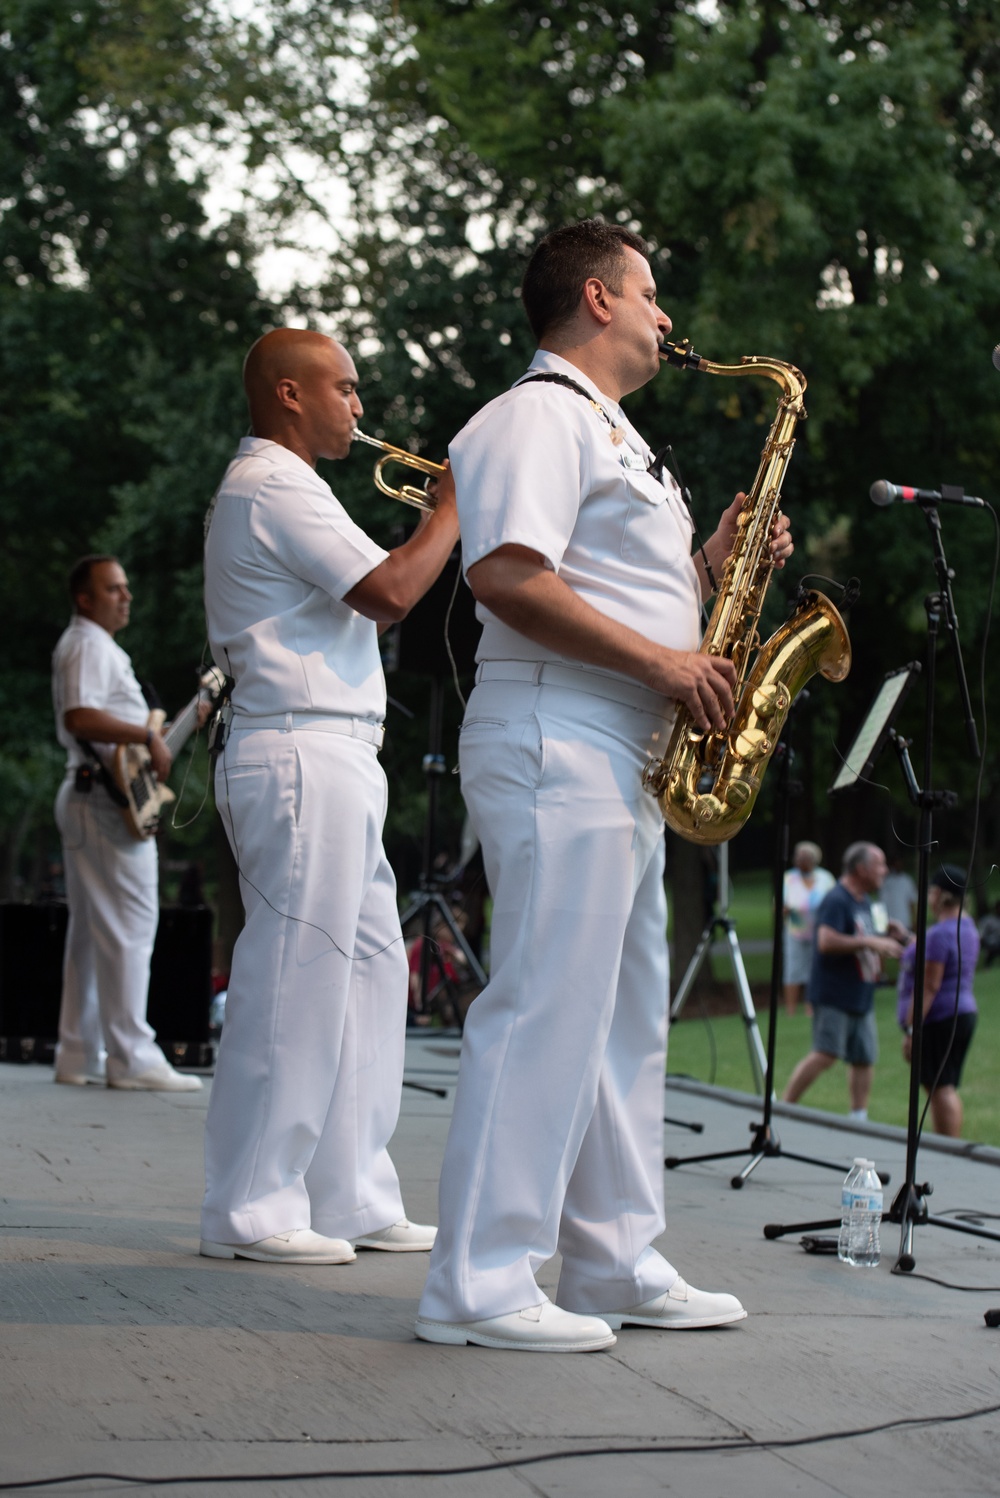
(157, 1079)
(401, 1238)
(543, 1328)
(299, 1246)
(680, 1309)
(82, 1078)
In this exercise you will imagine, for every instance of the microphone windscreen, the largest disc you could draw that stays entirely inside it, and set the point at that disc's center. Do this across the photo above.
(879, 493)
(996, 357)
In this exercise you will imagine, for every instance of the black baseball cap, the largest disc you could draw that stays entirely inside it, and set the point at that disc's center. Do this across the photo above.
(950, 878)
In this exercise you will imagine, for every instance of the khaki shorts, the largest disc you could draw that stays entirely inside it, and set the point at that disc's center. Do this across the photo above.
(850, 1037)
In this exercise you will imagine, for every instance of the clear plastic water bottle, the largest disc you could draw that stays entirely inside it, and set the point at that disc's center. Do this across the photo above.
(861, 1216)
(847, 1195)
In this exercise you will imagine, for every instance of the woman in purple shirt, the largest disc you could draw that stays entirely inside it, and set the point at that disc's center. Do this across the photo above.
(949, 1008)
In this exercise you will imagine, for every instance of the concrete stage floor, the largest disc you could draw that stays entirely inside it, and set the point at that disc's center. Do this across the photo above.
(125, 1353)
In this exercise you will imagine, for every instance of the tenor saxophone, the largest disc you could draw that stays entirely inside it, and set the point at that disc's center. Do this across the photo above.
(707, 782)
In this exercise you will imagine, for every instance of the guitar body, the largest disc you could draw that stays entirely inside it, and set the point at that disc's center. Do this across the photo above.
(132, 767)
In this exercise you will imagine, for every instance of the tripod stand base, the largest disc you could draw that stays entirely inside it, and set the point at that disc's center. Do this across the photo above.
(422, 1087)
(910, 1210)
(778, 1229)
(765, 1145)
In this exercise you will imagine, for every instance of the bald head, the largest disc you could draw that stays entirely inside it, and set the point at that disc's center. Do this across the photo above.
(302, 391)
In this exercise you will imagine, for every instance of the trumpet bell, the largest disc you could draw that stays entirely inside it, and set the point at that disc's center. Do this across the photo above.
(407, 494)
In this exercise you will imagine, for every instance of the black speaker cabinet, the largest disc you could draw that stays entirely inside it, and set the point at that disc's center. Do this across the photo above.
(180, 984)
(419, 642)
(32, 938)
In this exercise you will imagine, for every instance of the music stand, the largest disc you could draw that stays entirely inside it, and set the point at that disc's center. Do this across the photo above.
(857, 764)
(764, 1142)
(871, 737)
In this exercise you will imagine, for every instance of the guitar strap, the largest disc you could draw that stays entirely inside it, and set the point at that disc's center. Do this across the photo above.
(102, 774)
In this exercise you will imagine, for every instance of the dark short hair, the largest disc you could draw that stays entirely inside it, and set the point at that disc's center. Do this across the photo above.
(949, 878)
(79, 575)
(566, 258)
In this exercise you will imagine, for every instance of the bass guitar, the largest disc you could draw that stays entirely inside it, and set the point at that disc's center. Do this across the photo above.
(131, 768)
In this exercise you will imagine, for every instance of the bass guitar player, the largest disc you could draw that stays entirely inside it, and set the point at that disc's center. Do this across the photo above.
(111, 874)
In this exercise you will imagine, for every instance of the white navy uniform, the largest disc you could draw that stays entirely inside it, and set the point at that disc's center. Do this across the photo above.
(556, 1141)
(307, 1086)
(111, 877)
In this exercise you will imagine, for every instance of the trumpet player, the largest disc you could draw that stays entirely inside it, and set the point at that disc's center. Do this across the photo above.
(580, 561)
(307, 1086)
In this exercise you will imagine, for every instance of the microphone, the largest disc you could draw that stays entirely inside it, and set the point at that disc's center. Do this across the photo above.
(884, 493)
(996, 357)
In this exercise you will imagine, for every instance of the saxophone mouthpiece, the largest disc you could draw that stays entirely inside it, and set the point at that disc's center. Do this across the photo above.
(681, 354)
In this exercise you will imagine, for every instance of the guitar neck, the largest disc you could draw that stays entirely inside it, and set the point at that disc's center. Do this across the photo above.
(183, 725)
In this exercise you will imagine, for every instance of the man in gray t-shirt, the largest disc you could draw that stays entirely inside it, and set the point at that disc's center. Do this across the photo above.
(847, 961)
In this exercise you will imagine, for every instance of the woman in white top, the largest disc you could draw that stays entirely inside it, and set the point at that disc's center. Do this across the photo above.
(804, 887)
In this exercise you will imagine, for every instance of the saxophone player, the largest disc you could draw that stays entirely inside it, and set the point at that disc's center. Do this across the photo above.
(580, 562)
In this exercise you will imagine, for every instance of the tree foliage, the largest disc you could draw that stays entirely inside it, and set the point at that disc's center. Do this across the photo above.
(121, 313)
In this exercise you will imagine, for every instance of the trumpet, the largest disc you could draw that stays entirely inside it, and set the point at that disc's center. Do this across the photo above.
(409, 494)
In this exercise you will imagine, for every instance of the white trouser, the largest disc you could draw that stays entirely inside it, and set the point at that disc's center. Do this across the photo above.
(111, 890)
(556, 1142)
(307, 1085)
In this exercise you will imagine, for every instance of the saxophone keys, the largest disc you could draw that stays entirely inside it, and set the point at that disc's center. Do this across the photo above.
(771, 700)
(753, 744)
(736, 794)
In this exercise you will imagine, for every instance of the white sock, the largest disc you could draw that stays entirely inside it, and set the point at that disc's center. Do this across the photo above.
(858, 1115)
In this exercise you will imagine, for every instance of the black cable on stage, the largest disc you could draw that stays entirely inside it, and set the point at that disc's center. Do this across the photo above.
(696, 1448)
(931, 1279)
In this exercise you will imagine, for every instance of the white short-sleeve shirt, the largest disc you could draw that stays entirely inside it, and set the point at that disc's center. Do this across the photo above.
(90, 670)
(280, 554)
(537, 467)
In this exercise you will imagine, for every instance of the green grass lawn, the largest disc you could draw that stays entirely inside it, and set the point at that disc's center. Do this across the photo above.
(715, 1050)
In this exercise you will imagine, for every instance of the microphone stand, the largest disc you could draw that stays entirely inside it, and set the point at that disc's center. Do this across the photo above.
(909, 1208)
